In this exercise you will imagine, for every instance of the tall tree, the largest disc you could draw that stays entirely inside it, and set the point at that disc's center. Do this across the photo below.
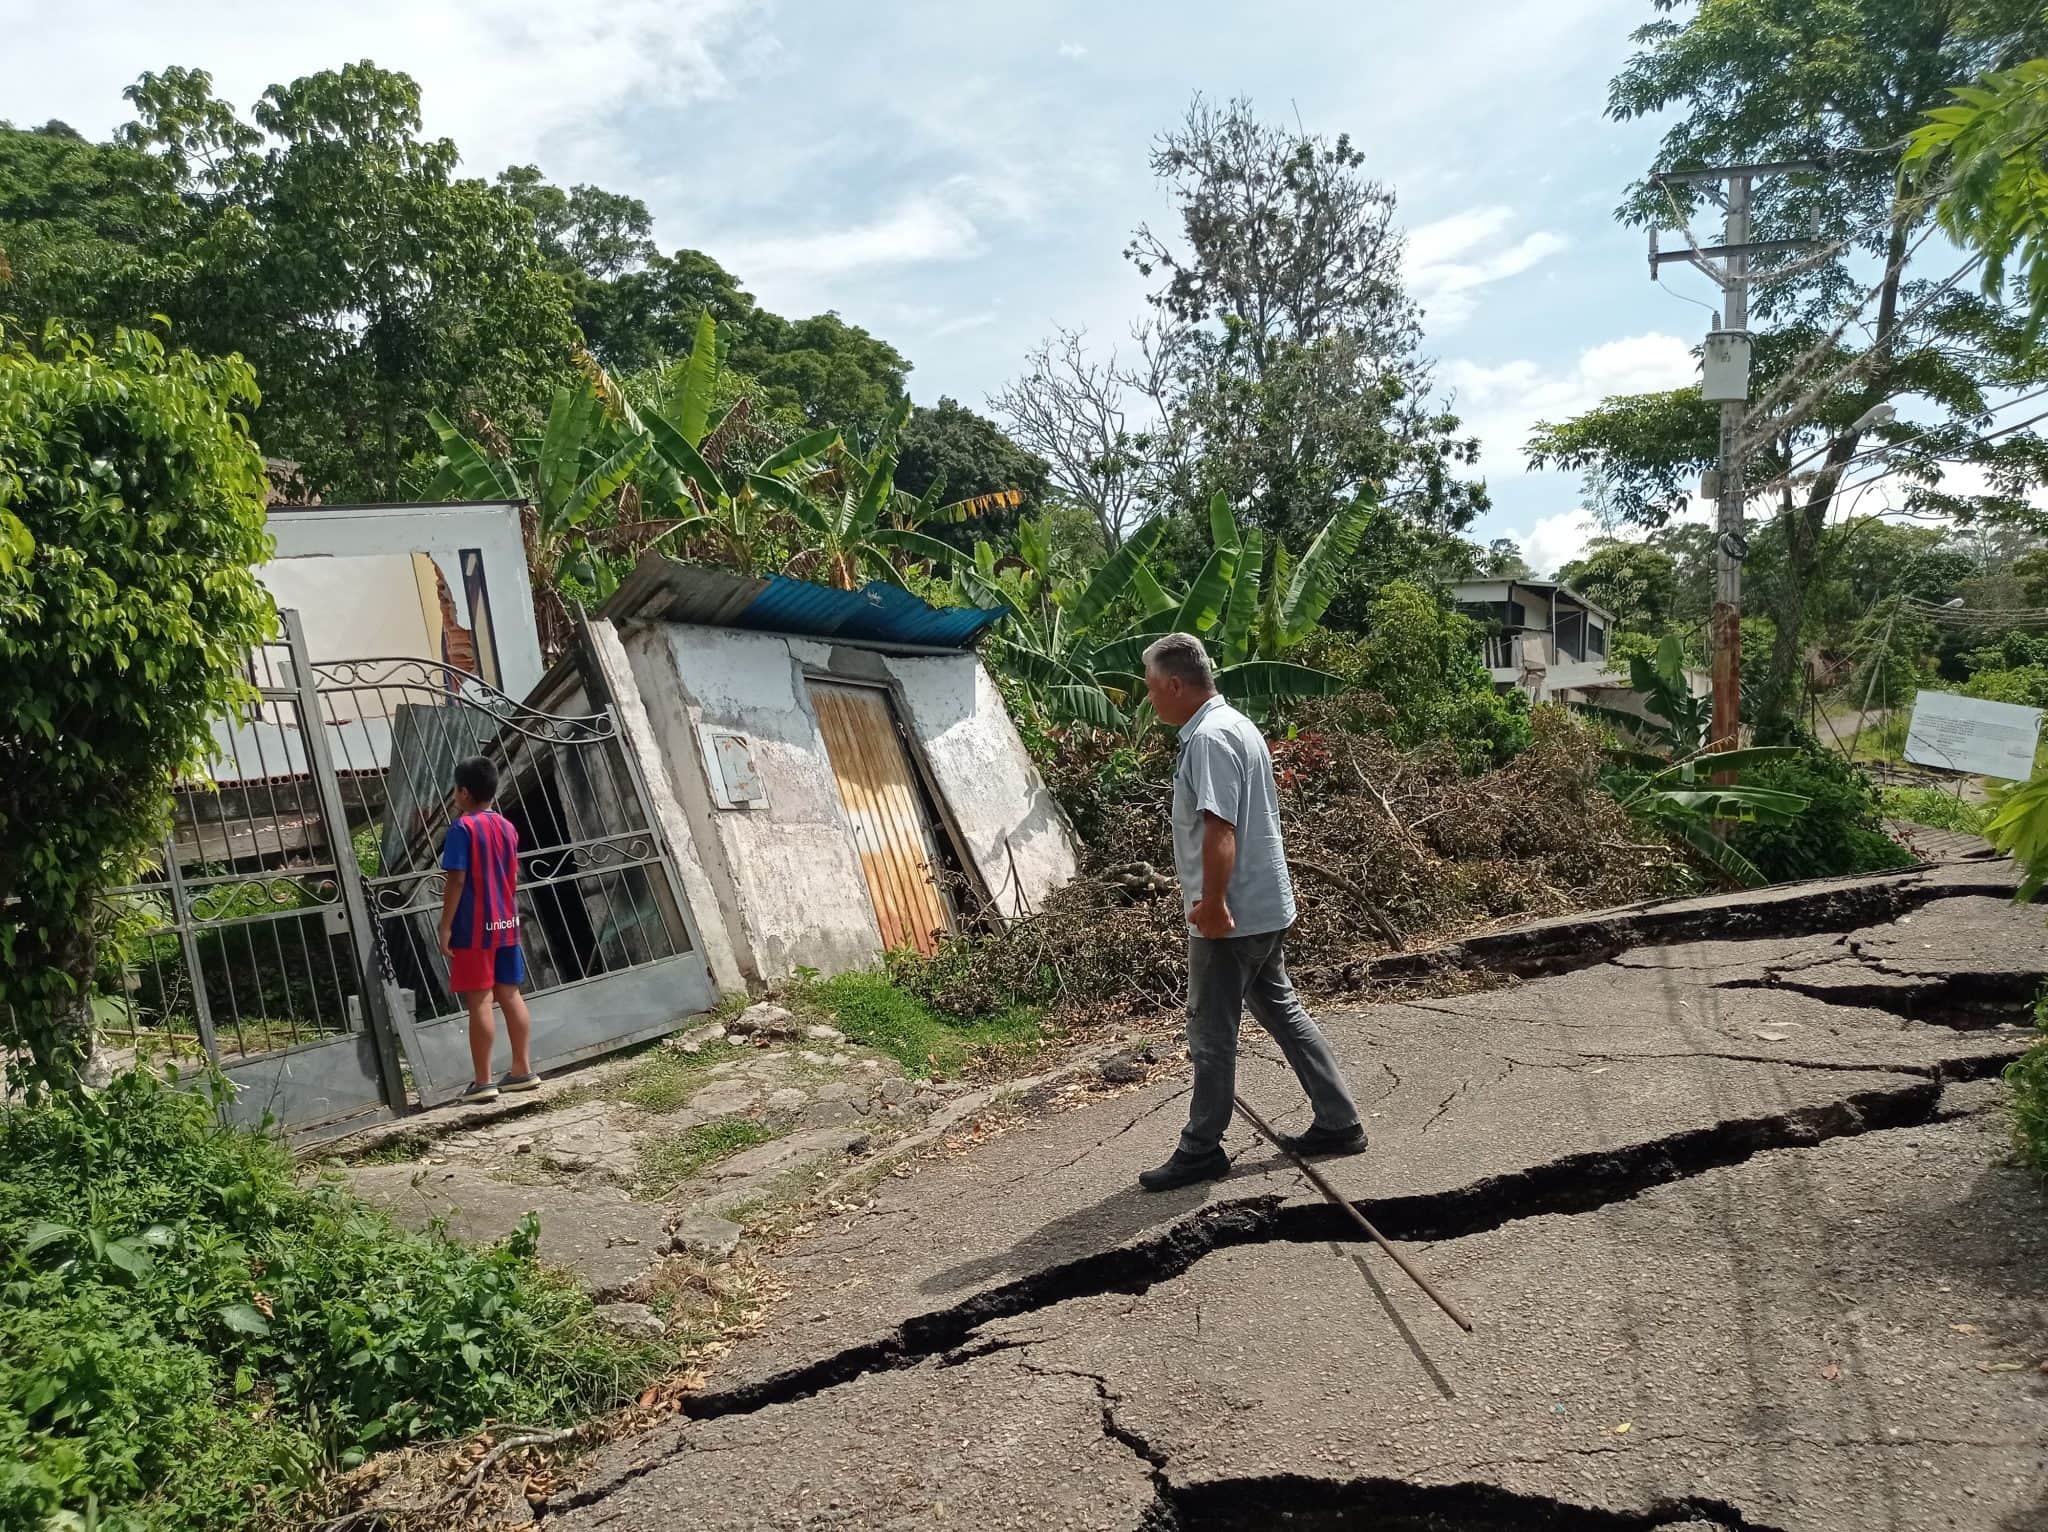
(86, 229)
(1073, 411)
(331, 245)
(131, 504)
(967, 456)
(1844, 82)
(1637, 582)
(1286, 366)
(585, 230)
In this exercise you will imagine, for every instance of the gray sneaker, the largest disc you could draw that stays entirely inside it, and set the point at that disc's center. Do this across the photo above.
(477, 1092)
(511, 1082)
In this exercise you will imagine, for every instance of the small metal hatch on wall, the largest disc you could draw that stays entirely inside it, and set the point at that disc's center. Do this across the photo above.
(894, 829)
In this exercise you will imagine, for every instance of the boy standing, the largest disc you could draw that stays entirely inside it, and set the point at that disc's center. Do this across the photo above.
(480, 928)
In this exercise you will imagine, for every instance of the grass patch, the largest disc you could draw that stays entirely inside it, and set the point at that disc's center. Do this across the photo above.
(877, 1013)
(2026, 1093)
(660, 1080)
(1935, 808)
(669, 1160)
(667, 1077)
(189, 1336)
(399, 1149)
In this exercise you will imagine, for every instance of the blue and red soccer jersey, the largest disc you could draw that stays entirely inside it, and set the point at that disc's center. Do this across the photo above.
(485, 936)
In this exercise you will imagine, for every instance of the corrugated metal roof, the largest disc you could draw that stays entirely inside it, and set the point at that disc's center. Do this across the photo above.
(663, 590)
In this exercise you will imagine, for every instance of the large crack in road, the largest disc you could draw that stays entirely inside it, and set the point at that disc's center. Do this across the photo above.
(1395, 1505)
(1565, 946)
(1573, 1184)
(970, 1332)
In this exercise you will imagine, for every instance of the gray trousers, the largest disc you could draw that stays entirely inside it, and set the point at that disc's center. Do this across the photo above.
(1223, 978)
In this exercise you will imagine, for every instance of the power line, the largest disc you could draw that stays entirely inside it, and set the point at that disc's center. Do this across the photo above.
(1791, 473)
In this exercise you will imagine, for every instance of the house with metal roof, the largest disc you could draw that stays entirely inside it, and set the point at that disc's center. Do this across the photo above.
(839, 776)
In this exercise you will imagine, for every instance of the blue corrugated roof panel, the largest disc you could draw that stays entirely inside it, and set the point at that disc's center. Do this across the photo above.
(878, 612)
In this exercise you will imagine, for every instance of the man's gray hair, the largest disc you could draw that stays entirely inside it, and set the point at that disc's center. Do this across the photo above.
(1181, 657)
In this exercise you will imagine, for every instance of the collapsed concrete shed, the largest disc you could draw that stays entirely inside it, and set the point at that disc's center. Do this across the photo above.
(845, 776)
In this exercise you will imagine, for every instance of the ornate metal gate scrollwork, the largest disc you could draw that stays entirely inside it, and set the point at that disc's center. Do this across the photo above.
(609, 953)
(288, 931)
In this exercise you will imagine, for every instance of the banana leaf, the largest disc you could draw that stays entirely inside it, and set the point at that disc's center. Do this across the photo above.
(1244, 599)
(802, 450)
(676, 451)
(930, 549)
(1766, 804)
(1204, 601)
(603, 481)
(1314, 584)
(1715, 852)
(466, 466)
(690, 406)
(1261, 681)
(1222, 525)
(1085, 704)
(560, 467)
(1117, 572)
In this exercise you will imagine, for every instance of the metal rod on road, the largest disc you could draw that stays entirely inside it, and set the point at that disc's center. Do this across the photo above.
(1339, 1199)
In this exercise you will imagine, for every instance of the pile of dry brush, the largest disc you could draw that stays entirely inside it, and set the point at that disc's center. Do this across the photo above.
(1388, 847)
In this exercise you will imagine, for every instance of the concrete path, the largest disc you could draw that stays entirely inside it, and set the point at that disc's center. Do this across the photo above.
(1724, 1187)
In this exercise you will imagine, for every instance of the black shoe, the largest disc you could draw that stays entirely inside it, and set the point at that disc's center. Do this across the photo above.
(1186, 1170)
(1349, 1140)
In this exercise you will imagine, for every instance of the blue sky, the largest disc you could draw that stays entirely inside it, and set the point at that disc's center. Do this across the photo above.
(961, 178)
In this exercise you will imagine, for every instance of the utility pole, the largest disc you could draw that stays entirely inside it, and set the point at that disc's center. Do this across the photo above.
(1725, 381)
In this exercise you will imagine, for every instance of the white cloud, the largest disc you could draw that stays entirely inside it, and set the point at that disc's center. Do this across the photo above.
(508, 80)
(964, 323)
(1556, 540)
(1446, 268)
(1501, 404)
(1073, 51)
(921, 229)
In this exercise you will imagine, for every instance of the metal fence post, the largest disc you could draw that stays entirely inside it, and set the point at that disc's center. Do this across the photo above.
(334, 813)
(188, 940)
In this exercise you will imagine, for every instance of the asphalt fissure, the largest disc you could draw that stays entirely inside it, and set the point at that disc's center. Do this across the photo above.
(1566, 946)
(1963, 1002)
(1395, 1505)
(1575, 1184)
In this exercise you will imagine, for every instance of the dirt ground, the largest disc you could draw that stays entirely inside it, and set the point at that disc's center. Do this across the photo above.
(1723, 1184)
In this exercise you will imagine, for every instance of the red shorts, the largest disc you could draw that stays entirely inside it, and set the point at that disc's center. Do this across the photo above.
(475, 968)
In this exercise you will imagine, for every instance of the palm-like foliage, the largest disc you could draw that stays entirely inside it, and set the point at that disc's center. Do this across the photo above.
(1690, 791)
(1080, 646)
(857, 524)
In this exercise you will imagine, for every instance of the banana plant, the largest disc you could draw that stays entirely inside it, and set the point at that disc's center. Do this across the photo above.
(1683, 799)
(1246, 618)
(578, 465)
(856, 524)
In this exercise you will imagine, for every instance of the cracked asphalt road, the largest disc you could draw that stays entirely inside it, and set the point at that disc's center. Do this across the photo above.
(1728, 1203)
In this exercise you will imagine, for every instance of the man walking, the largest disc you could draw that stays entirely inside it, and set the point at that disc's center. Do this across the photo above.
(1240, 904)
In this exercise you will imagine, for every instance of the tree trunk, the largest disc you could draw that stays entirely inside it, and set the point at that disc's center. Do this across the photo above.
(1778, 699)
(53, 1018)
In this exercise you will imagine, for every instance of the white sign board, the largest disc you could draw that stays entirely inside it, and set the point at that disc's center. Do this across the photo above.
(1991, 739)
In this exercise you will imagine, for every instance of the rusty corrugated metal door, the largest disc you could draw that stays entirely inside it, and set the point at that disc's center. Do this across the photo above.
(892, 829)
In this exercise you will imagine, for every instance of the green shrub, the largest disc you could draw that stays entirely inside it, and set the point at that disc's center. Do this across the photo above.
(2026, 1094)
(1934, 807)
(187, 1333)
(884, 1011)
(1838, 832)
(1424, 660)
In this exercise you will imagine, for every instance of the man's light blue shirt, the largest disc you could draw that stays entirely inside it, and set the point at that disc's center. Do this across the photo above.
(1226, 770)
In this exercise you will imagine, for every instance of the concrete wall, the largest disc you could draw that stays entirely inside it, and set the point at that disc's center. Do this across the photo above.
(1013, 832)
(783, 878)
(344, 569)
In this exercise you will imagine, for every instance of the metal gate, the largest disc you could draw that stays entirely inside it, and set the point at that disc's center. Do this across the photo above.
(289, 929)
